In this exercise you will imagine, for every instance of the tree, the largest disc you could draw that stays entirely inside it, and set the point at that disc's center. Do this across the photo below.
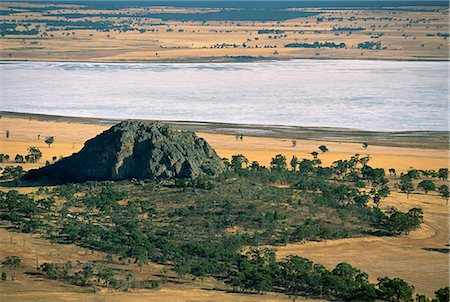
(392, 171)
(13, 263)
(443, 190)
(34, 155)
(406, 186)
(255, 166)
(314, 154)
(443, 173)
(396, 290)
(294, 163)
(422, 298)
(443, 294)
(323, 148)
(12, 172)
(19, 159)
(402, 223)
(254, 271)
(294, 274)
(413, 174)
(226, 162)
(239, 137)
(237, 162)
(365, 145)
(49, 140)
(7, 134)
(4, 157)
(427, 185)
(3, 276)
(278, 163)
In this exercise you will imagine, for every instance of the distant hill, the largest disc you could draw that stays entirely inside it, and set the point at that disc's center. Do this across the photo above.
(135, 149)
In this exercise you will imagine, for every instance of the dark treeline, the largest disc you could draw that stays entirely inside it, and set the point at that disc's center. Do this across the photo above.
(199, 226)
(316, 45)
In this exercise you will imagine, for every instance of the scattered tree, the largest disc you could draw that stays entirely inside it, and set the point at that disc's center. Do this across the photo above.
(406, 186)
(255, 166)
(49, 140)
(323, 148)
(19, 159)
(395, 290)
(443, 294)
(13, 263)
(294, 163)
(392, 172)
(4, 157)
(443, 173)
(237, 162)
(443, 190)
(278, 163)
(34, 155)
(427, 185)
(12, 172)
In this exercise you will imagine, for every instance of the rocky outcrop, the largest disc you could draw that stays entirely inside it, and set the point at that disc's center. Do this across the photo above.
(135, 149)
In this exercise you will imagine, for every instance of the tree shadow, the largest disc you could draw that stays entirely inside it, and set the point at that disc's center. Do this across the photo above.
(435, 249)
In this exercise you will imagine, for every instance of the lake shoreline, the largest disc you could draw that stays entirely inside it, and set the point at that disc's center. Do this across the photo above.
(231, 59)
(333, 93)
(414, 139)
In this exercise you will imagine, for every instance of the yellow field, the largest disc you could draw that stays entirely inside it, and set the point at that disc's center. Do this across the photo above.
(404, 34)
(403, 257)
(70, 137)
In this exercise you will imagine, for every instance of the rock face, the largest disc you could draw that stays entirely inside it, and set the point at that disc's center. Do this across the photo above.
(135, 149)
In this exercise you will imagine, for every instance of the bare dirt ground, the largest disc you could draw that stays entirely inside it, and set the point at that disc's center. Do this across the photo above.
(404, 34)
(410, 257)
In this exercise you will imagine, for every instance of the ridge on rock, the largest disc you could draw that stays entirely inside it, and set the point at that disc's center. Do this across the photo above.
(135, 149)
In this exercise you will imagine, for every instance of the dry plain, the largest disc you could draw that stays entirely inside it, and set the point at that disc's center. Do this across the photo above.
(414, 257)
(70, 137)
(403, 34)
(133, 35)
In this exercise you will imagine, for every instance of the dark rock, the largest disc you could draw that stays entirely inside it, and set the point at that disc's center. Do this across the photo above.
(135, 149)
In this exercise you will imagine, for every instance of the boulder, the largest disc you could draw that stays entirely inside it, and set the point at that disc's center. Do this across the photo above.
(135, 149)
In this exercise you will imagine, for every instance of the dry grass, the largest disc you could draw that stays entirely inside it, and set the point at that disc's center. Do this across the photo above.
(69, 138)
(402, 257)
(402, 38)
(34, 251)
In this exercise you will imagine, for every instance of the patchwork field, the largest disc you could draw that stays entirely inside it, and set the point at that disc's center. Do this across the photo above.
(66, 32)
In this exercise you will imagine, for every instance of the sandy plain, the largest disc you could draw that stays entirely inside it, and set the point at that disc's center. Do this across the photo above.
(418, 257)
(419, 33)
(70, 137)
